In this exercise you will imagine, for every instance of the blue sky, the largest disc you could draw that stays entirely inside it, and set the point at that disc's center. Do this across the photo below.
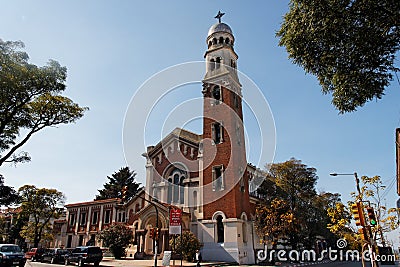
(110, 48)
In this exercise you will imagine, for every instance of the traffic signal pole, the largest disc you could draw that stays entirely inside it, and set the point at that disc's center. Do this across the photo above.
(358, 211)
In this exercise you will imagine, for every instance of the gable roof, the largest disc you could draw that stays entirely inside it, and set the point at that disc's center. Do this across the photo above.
(179, 134)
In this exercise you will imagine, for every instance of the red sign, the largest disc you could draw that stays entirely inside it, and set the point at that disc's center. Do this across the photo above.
(175, 217)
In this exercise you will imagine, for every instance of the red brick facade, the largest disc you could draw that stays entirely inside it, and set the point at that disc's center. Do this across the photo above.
(230, 153)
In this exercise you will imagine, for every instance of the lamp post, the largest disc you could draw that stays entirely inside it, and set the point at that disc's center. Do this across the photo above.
(359, 197)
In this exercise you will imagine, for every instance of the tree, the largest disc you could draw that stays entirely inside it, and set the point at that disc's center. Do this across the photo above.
(22, 220)
(318, 219)
(340, 226)
(117, 238)
(286, 209)
(30, 100)
(121, 178)
(274, 220)
(350, 46)
(7, 194)
(187, 245)
(40, 205)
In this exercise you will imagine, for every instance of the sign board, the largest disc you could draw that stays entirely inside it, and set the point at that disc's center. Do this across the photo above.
(167, 258)
(175, 218)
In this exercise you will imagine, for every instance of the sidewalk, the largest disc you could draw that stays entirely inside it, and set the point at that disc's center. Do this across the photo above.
(130, 262)
(111, 262)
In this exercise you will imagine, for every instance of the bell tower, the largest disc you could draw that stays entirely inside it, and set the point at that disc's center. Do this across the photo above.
(225, 188)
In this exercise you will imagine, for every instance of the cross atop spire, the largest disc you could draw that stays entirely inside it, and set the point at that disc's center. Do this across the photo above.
(219, 16)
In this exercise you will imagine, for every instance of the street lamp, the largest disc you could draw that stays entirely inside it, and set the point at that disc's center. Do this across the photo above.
(357, 182)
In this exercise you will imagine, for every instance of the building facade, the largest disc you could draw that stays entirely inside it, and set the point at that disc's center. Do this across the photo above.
(84, 220)
(205, 175)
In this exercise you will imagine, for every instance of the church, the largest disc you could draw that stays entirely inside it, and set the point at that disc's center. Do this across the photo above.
(205, 175)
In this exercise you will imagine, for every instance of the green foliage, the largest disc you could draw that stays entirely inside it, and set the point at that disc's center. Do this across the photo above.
(121, 178)
(7, 194)
(350, 46)
(40, 205)
(30, 100)
(20, 220)
(117, 238)
(187, 246)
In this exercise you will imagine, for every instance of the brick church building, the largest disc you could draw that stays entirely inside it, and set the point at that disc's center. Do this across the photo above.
(206, 175)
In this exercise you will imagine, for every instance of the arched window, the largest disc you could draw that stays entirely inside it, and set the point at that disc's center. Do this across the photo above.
(195, 200)
(156, 191)
(218, 178)
(227, 40)
(214, 40)
(217, 131)
(169, 194)
(244, 228)
(217, 62)
(233, 64)
(216, 94)
(176, 189)
(212, 64)
(221, 40)
(209, 43)
(220, 230)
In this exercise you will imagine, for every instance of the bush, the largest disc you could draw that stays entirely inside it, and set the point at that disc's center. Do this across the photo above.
(117, 238)
(189, 245)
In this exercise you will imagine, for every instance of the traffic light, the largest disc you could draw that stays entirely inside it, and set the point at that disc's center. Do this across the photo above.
(358, 213)
(123, 193)
(363, 233)
(371, 216)
(152, 232)
(156, 232)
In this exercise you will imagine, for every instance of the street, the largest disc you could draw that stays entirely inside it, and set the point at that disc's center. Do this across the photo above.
(147, 263)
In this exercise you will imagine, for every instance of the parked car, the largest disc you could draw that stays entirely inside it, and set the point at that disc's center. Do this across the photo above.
(54, 255)
(34, 254)
(11, 255)
(85, 254)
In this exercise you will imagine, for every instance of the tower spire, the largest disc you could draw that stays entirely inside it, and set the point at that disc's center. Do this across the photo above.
(219, 16)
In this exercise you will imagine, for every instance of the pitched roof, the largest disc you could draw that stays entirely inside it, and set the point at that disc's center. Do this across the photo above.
(94, 202)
